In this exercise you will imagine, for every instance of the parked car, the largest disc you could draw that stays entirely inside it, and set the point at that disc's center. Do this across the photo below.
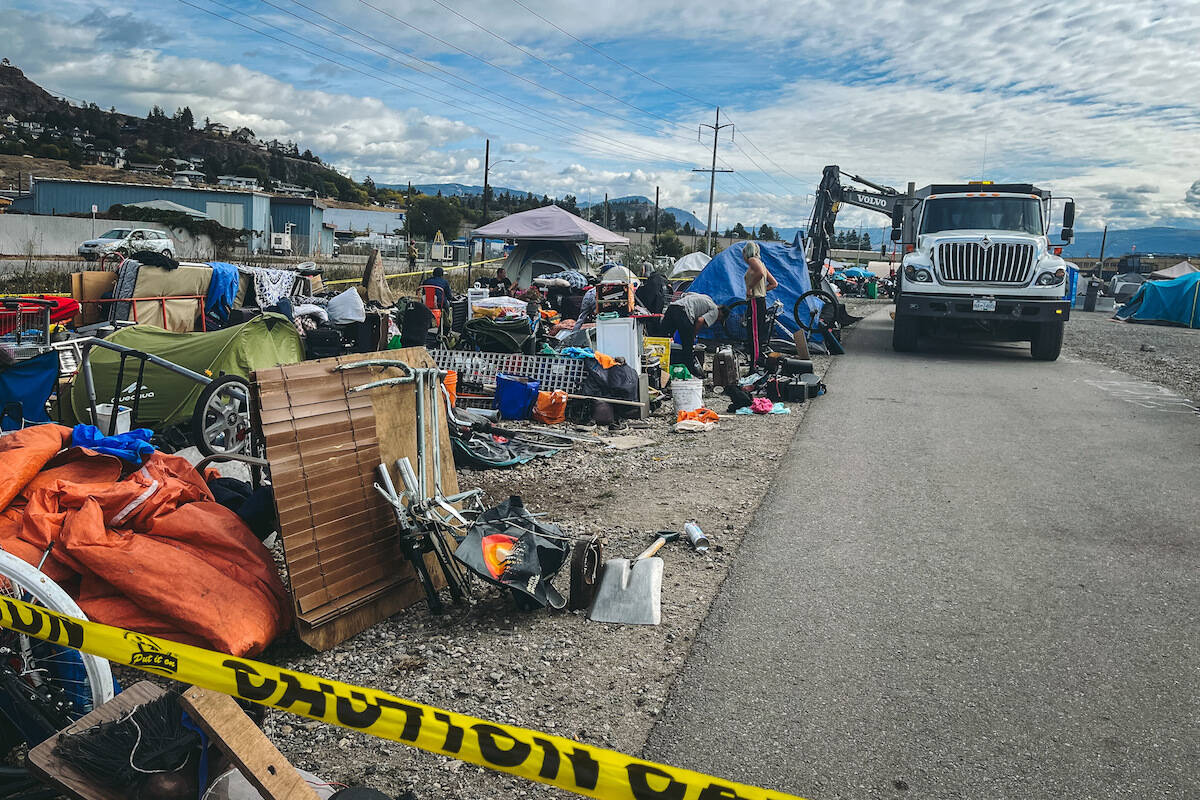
(128, 240)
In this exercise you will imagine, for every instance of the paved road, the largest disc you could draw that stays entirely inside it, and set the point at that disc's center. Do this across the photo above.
(975, 576)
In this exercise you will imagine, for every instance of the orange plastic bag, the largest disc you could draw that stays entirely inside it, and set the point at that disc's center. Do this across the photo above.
(451, 384)
(700, 415)
(550, 408)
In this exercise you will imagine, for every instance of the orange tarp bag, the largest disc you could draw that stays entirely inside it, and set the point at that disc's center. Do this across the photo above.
(550, 408)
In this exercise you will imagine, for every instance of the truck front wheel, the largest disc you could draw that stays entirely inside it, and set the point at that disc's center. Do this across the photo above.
(905, 331)
(1047, 341)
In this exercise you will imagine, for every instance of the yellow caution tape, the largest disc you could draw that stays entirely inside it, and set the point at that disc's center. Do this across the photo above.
(536, 756)
(418, 272)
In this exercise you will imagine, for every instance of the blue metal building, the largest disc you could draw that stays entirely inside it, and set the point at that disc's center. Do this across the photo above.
(234, 208)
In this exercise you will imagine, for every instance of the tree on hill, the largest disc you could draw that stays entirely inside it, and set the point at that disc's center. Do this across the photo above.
(669, 244)
(428, 215)
(767, 233)
(864, 242)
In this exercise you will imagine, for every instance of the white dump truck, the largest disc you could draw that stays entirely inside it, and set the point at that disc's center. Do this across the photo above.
(979, 262)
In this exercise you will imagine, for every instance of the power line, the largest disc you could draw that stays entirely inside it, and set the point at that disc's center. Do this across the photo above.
(485, 94)
(540, 60)
(759, 167)
(610, 58)
(505, 70)
(653, 157)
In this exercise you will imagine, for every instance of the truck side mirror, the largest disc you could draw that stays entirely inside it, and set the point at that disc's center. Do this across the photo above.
(1067, 235)
(896, 234)
(1069, 215)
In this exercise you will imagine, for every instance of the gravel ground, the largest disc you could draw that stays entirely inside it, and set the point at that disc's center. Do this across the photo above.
(555, 671)
(1162, 354)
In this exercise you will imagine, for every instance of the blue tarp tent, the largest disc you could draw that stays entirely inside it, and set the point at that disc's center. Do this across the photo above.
(722, 279)
(1173, 302)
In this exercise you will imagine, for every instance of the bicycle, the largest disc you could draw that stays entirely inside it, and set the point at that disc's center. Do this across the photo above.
(826, 320)
(44, 687)
(736, 329)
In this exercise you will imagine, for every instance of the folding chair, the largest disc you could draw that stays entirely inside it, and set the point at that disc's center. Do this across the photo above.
(435, 298)
(25, 389)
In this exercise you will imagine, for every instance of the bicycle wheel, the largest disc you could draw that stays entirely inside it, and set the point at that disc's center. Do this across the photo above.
(73, 682)
(827, 315)
(737, 321)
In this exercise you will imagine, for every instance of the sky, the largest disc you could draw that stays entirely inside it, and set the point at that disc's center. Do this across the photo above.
(1098, 100)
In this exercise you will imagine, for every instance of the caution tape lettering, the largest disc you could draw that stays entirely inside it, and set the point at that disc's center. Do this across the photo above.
(537, 756)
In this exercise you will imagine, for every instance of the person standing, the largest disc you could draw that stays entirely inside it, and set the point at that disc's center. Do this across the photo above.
(685, 318)
(759, 281)
(412, 255)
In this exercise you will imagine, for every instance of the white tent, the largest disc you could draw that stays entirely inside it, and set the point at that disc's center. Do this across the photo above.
(1177, 271)
(548, 224)
(689, 266)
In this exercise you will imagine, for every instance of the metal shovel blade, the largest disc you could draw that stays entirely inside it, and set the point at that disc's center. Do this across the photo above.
(630, 592)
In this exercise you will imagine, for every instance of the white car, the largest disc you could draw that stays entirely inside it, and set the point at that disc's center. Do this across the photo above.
(128, 240)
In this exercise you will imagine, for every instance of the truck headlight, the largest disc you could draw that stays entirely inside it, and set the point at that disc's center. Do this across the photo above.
(1051, 278)
(917, 274)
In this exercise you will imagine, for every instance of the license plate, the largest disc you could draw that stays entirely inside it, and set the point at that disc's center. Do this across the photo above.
(983, 305)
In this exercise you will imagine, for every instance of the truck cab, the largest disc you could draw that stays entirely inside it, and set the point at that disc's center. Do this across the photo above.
(979, 262)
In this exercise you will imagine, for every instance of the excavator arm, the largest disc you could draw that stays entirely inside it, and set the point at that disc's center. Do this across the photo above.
(831, 194)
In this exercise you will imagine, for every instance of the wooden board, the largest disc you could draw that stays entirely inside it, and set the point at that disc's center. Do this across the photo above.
(324, 445)
(248, 748)
(45, 765)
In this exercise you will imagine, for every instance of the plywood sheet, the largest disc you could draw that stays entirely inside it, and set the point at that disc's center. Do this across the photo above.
(324, 445)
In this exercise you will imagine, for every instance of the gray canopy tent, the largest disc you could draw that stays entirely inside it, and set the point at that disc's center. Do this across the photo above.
(549, 240)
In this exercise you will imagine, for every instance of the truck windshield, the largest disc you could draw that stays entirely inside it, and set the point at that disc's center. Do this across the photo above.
(1022, 214)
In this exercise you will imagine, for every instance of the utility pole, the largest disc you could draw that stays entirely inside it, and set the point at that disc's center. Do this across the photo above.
(712, 181)
(487, 154)
(606, 209)
(655, 217)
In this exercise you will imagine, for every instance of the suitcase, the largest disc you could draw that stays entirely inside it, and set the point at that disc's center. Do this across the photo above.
(323, 343)
(812, 384)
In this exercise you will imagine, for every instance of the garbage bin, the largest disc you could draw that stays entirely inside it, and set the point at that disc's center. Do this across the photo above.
(872, 290)
(1093, 292)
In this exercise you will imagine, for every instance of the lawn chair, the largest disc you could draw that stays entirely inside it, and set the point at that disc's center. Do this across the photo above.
(25, 389)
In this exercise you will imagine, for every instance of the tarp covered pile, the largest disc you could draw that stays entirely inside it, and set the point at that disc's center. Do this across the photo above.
(150, 551)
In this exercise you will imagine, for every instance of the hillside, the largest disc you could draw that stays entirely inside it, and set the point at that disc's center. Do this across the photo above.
(79, 136)
(1149, 241)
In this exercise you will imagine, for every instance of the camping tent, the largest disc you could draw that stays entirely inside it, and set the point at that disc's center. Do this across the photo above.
(268, 340)
(548, 241)
(1173, 302)
(689, 266)
(531, 259)
(549, 223)
(1176, 271)
(722, 279)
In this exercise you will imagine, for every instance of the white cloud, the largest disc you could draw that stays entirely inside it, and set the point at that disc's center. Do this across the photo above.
(1100, 101)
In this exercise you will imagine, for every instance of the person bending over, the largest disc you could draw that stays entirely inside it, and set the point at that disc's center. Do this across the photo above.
(686, 317)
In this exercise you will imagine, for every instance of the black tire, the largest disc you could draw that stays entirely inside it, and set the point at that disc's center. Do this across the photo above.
(828, 313)
(905, 333)
(1047, 341)
(169, 254)
(734, 326)
(225, 427)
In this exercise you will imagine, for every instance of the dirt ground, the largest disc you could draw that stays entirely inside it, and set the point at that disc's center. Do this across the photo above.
(556, 671)
(1162, 354)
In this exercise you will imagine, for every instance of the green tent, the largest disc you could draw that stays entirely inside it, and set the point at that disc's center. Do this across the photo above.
(168, 399)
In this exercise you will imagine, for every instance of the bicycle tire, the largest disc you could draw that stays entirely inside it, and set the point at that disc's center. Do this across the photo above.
(734, 326)
(825, 297)
(58, 665)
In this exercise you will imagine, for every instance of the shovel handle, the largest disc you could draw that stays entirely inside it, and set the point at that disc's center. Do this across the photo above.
(652, 549)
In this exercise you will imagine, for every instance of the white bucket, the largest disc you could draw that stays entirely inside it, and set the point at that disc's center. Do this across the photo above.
(687, 395)
(104, 414)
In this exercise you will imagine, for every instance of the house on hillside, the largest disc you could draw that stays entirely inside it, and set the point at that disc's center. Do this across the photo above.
(237, 181)
(217, 129)
(189, 177)
(145, 169)
(293, 189)
(32, 128)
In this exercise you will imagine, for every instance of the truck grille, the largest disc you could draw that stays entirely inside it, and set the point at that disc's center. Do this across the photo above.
(970, 262)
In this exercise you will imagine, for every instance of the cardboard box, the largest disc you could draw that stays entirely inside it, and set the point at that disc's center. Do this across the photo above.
(91, 285)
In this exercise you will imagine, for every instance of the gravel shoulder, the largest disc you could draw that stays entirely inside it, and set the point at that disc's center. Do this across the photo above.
(1161, 354)
(556, 671)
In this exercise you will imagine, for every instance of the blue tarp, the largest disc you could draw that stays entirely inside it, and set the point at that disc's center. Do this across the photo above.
(222, 289)
(722, 279)
(1174, 302)
(29, 384)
